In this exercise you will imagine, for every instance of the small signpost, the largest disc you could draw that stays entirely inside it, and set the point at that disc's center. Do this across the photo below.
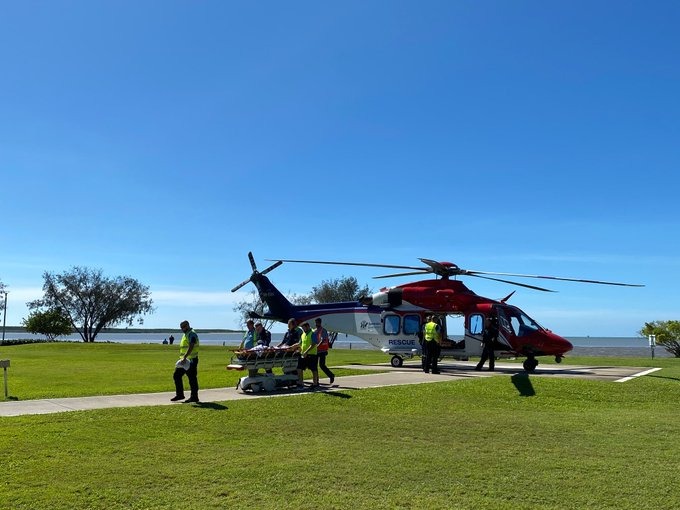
(652, 343)
(4, 363)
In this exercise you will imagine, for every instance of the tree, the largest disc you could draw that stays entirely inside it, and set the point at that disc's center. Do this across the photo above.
(667, 334)
(339, 289)
(92, 301)
(50, 323)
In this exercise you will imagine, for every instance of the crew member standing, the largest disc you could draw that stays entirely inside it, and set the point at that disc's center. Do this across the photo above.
(292, 336)
(489, 336)
(308, 357)
(188, 350)
(322, 346)
(432, 336)
(290, 339)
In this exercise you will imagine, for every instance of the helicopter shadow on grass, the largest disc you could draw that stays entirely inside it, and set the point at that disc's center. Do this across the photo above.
(339, 394)
(664, 377)
(522, 382)
(211, 405)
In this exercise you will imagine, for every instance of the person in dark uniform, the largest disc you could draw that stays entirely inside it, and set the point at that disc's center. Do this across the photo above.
(291, 338)
(293, 334)
(489, 336)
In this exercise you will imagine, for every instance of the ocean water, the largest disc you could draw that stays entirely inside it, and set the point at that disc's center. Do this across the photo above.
(583, 346)
(227, 339)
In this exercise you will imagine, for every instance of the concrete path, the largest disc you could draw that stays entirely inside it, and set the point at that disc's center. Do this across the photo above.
(410, 373)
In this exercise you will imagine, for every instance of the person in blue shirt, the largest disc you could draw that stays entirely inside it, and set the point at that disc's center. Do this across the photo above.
(248, 341)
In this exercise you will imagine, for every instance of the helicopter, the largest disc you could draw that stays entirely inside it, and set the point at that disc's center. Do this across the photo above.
(392, 318)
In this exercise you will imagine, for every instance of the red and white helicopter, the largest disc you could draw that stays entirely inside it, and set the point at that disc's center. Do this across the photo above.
(392, 318)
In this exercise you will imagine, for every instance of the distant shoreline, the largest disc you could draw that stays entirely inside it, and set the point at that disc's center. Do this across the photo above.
(21, 329)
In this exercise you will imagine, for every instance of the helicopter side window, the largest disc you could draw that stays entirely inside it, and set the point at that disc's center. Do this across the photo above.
(411, 324)
(476, 324)
(391, 325)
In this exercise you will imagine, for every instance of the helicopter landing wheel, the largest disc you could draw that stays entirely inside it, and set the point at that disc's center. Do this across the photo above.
(530, 364)
(396, 361)
(558, 359)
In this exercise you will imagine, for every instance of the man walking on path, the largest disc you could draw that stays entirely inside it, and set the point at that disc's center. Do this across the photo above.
(322, 345)
(188, 352)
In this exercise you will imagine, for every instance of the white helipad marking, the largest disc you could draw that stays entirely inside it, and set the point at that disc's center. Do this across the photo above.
(639, 374)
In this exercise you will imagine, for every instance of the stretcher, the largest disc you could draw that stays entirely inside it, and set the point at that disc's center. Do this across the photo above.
(260, 363)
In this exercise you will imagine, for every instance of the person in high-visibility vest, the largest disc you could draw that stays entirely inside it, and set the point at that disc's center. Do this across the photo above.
(188, 352)
(308, 356)
(432, 336)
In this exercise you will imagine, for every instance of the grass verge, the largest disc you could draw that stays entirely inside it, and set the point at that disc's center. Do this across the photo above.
(475, 443)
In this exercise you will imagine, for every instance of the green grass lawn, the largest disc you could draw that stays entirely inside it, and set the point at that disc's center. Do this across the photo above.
(75, 369)
(471, 444)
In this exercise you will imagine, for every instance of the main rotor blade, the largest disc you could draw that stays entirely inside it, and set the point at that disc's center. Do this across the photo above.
(272, 267)
(581, 280)
(403, 274)
(513, 283)
(351, 264)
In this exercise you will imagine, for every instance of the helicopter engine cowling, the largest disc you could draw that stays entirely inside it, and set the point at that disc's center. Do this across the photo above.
(388, 299)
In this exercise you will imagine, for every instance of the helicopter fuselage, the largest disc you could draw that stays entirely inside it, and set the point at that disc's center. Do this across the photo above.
(392, 320)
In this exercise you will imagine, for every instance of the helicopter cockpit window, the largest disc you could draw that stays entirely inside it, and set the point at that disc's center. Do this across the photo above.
(517, 322)
(391, 325)
(411, 324)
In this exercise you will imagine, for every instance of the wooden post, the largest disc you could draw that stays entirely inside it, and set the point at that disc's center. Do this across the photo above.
(4, 363)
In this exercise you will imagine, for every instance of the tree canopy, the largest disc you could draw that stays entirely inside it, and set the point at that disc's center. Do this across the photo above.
(338, 289)
(50, 323)
(667, 334)
(92, 302)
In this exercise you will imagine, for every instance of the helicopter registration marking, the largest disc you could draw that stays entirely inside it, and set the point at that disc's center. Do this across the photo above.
(639, 374)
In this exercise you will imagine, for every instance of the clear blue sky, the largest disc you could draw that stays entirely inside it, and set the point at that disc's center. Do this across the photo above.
(164, 140)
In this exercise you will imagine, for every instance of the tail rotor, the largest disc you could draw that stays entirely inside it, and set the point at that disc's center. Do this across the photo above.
(255, 271)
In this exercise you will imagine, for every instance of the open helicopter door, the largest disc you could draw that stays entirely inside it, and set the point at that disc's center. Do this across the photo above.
(474, 327)
(506, 333)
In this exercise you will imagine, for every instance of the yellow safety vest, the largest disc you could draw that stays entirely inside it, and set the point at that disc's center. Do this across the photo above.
(306, 341)
(431, 332)
(184, 345)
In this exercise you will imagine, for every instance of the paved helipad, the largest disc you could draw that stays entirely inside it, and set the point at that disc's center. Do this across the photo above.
(410, 373)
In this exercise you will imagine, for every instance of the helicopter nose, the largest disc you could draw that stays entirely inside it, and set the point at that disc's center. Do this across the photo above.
(560, 345)
(565, 345)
